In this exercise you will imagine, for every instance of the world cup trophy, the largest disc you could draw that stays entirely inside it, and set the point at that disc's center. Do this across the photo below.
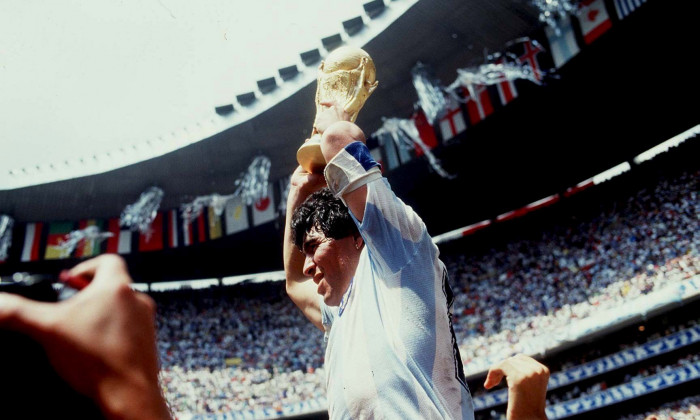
(346, 77)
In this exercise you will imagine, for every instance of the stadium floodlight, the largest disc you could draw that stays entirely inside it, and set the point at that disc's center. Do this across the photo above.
(140, 287)
(254, 278)
(461, 232)
(663, 147)
(611, 173)
(184, 284)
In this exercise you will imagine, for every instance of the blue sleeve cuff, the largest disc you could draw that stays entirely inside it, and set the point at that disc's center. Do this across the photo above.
(350, 169)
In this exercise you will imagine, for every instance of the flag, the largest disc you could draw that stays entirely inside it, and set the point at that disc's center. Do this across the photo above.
(89, 247)
(594, 19)
(426, 131)
(625, 8)
(506, 89)
(120, 241)
(562, 42)
(201, 226)
(529, 57)
(235, 215)
(172, 227)
(58, 232)
(188, 230)
(478, 103)
(264, 209)
(452, 123)
(215, 228)
(32, 241)
(153, 239)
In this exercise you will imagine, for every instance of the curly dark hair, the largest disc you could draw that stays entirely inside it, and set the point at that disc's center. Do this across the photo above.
(324, 212)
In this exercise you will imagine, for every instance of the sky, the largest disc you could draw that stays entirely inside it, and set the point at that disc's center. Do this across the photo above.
(88, 81)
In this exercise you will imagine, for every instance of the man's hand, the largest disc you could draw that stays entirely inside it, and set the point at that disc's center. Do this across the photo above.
(330, 112)
(102, 341)
(304, 184)
(527, 386)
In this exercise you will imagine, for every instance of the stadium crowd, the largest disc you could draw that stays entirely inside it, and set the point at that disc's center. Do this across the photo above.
(509, 296)
(225, 350)
(687, 408)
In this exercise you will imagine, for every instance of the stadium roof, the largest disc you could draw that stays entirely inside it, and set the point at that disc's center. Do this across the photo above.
(90, 90)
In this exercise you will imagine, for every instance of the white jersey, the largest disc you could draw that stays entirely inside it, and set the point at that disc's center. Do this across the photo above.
(391, 351)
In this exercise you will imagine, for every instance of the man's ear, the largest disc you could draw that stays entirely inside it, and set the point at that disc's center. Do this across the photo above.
(359, 242)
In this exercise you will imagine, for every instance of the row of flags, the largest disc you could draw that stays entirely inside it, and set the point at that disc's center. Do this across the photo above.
(547, 51)
(466, 108)
(169, 229)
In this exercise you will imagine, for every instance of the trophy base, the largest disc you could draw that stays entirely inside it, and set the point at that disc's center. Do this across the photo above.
(310, 157)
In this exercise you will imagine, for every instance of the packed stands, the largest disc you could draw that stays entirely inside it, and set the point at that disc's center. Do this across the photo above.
(538, 285)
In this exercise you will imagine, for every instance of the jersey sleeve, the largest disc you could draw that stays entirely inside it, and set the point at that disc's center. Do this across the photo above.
(391, 229)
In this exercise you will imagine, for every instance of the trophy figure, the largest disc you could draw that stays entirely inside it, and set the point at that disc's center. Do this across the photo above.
(346, 77)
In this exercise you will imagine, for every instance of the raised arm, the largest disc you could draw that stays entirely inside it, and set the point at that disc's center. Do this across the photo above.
(338, 133)
(527, 386)
(300, 288)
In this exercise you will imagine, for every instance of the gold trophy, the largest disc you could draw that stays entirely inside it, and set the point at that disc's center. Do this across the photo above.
(346, 77)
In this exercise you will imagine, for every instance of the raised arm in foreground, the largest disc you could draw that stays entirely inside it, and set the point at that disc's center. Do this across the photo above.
(102, 341)
(527, 386)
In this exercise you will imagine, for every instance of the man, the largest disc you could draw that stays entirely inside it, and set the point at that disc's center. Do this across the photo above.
(102, 340)
(384, 300)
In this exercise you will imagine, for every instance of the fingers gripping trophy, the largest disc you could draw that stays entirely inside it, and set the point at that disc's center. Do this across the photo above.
(347, 76)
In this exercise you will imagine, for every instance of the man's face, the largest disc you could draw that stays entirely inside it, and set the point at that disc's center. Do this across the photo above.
(331, 263)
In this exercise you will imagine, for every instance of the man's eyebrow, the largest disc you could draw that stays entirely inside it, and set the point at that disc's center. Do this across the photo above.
(308, 241)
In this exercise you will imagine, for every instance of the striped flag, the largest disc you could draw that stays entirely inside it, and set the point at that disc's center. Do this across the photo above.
(562, 42)
(120, 241)
(452, 123)
(58, 232)
(89, 247)
(506, 89)
(153, 239)
(426, 131)
(478, 103)
(264, 209)
(594, 19)
(215, 228)
(201, 230)
(236, 216)
(188, 231)
(32, 242)
(625, 8)
(172, 224)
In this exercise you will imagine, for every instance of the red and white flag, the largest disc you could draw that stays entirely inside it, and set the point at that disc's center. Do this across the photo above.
(120, 241)
(426, 131)
(594, 19)
(478, 103)
(32, 238)
(452, 123)
(264, 209)
(153, 239)
(506, 89)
